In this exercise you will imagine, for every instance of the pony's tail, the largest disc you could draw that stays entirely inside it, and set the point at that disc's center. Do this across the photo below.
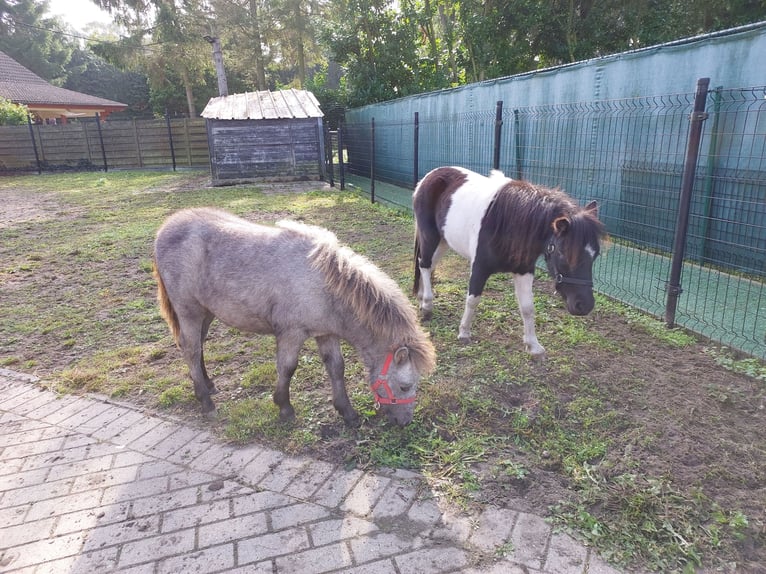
(166, 307)
(416, 284)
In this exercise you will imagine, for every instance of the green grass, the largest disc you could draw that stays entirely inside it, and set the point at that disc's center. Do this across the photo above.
(79, 309)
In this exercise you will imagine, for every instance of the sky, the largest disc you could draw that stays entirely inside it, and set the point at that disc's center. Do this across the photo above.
(78, 13)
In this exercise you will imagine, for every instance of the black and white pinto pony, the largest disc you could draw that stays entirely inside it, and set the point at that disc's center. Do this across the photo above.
(504, 225)
(293, 281)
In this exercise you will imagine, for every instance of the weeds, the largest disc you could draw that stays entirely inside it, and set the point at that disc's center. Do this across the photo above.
(80, 310)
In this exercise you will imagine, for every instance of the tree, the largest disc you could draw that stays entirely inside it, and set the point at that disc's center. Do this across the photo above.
(91, 74)
(166, 40)
(36, 41)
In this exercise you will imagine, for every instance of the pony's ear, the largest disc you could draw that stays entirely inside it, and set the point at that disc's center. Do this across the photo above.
(592, 207)
(401, 355)
(560, 225)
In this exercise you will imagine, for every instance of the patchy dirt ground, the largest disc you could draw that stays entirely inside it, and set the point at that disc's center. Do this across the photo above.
(679, 414)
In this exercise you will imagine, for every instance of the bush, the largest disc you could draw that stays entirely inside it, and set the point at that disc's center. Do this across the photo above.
(12, 114)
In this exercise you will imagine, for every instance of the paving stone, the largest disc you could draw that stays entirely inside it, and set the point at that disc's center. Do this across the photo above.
(195, 515)
(21, 479)
(25, 533)
(395, 501)
(316, 560)
(257, 501)
(32, 403)
(365, 494)
(94, 486)
(121, 532)
(79, 421)
(42, 551)
(129, 435)
(273, 545)
(64, 504)
(529, 538)
(379, 567)
(426, 512)
(157, 547)
(152, 437)
(89, 518)
(227, 460)
(311, 477)
(261, 466)
(13, 515)
(66, 410)
(56, 404)
(202, 561)
(105, 478)
(329, 531)
(234, 529)
(282, 474)
(296, 515)
(192, 449)
(431, 560)
(52, 445)
(565, 555)
(151, 504)
(116, 428)
(379, 545)
(332, 492)
(494, 528)
(173, 443)
(86, 562)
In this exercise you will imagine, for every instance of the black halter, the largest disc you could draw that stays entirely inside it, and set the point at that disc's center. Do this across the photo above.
(559, 277)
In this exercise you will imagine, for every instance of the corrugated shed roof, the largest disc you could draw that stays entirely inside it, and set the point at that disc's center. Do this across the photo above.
(264, 105)
(20, 85)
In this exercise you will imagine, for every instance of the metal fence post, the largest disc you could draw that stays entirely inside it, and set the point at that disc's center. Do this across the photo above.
(170, 138)
(372, 161)
(101, 142)
(697, 117)
(34, 144)
(517, 138)
(498, 134)
(415, 151)
(341, 163)
(328, 153)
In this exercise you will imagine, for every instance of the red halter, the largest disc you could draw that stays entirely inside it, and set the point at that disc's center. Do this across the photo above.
(389, 399)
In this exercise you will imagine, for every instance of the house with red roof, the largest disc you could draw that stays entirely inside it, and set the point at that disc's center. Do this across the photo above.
(46, 101)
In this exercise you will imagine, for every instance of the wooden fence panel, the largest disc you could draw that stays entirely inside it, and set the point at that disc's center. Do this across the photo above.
(16, 151)
(126, 144)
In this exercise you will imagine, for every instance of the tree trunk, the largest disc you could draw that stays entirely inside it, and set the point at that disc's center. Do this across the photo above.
(189, 93)
(260, 73)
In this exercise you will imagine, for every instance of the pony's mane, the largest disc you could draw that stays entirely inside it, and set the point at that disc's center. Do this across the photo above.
(523, 214)
(374, 298)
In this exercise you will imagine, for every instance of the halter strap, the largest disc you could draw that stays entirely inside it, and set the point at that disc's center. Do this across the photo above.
(572, 280)
(561, 278)
(381, 381)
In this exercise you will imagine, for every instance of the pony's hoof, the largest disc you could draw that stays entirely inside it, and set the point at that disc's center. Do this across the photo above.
(287, 414)
(353, 422)
(464, 340)
(426, 314)
(212, 415)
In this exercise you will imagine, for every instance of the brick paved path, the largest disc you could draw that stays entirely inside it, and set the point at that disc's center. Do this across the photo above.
(88, 485)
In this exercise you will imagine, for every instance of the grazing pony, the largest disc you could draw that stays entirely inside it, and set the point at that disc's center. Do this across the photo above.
(504, 225)
(293, 281)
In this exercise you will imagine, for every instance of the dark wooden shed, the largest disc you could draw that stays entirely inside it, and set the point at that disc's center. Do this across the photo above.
(265, 136)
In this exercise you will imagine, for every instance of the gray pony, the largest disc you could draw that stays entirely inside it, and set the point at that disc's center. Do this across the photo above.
(293, 281)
